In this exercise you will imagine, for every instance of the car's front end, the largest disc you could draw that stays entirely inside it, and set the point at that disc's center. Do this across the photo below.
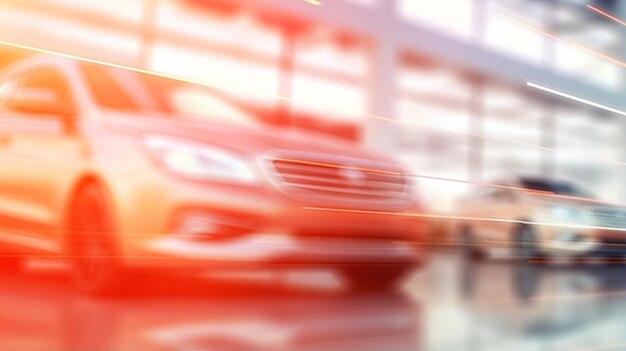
(564, 228)
(206, 205)
(609, 228)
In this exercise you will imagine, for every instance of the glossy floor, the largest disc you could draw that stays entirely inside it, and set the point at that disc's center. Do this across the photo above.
(452, 304)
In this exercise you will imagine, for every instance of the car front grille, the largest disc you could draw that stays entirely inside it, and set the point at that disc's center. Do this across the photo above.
(607, 216)
(321, 177)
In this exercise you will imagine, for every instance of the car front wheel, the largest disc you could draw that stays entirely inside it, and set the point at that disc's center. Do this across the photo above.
(526, 243)
(469, 246)
(95, 267)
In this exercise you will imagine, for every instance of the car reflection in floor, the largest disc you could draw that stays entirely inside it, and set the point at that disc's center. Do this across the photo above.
(517, 306)
(39, 312)
(451, 305)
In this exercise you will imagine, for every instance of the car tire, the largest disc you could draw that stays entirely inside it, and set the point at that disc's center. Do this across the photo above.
(378, 278)
(525, 243)
(95, 260)
(468, 244)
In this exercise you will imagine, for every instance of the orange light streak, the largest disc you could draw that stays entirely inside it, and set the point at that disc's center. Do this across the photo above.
(115, 65)
(567, 42)
(332, 165)
(533, 28)
(606, 14)
(465, 218)
(524, 190)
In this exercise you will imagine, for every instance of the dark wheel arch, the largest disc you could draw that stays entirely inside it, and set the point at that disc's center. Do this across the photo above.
(83, 181)
(467, 242)
(518, 245)
(91, 239)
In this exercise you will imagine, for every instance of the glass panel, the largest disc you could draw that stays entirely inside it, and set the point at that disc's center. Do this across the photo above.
(331, 69)
(432, 114)
(589, 151)
(513, 133)
(449, 16)
(599, 36)
(218, 23)
(328, 99)
(512, 38)
(236, 76)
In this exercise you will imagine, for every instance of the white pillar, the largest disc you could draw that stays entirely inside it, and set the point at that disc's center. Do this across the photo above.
(379, 133)
(620, 12)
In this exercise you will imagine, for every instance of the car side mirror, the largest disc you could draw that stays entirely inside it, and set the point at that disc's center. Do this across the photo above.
(39, 102)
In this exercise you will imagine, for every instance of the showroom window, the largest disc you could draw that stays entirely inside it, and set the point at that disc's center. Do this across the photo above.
(510, 38)
(205, 44)
(590, 148)
(451, 16)
(433, 115)
(330, 77)
(578, 62)
(512, 129)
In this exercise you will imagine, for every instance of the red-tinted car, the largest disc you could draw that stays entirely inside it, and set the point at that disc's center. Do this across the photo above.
(115, 169)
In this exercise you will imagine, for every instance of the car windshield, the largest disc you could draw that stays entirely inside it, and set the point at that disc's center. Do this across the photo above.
(556, 187)
(128, 91)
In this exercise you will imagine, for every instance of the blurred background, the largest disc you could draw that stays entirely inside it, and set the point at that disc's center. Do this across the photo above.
(440, 86)
(443, 72)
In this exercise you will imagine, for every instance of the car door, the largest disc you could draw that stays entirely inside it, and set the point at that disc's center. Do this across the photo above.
(500, 209)
(39, 150)
(491, 209)
(474, 208)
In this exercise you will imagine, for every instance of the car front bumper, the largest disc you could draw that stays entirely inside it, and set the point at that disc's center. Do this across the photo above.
(564, 248)
(265, 250)
(255, 227)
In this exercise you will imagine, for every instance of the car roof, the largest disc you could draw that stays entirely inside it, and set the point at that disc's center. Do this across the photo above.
(36, 61)
(546, 180)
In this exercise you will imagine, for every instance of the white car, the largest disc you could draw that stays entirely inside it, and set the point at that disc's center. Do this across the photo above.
(527, 217)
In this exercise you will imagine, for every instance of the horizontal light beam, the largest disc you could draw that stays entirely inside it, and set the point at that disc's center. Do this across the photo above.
(575, 98)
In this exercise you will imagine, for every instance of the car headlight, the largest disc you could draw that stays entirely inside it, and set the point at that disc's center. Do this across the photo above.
(198, 161)
(566, 213)
(570, 237)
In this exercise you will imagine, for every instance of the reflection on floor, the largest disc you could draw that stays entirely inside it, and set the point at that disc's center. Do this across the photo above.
(39, 312)
(481, 306)
(452, 304)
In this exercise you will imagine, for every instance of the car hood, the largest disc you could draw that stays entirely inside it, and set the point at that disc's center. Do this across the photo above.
(244, 140)
(579, 202)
